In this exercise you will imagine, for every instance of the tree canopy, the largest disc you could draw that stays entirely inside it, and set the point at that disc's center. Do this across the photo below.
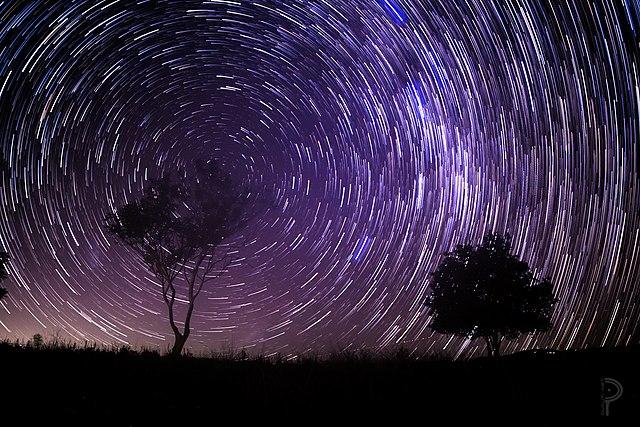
(178, 228)
(486, 292)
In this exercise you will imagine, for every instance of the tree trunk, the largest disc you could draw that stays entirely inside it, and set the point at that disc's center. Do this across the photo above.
(493, 345)
(489, 346)
(180, 338)
(496, 345)
(178, 344)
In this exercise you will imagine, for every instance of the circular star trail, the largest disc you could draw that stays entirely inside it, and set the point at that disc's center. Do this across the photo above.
(387, 131)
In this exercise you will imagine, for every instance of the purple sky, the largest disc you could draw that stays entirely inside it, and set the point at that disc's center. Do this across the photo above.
(387, 131)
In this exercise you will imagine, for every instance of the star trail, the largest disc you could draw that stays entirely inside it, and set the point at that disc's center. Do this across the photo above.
(386, 131)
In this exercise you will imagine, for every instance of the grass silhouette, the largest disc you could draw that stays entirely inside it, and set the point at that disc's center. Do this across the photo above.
(100, 385)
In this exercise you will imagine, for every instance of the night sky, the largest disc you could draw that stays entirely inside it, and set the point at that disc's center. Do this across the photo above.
(386, 131)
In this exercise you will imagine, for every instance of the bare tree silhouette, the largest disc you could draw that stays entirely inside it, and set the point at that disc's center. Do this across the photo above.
(178, 228)
(4, 260)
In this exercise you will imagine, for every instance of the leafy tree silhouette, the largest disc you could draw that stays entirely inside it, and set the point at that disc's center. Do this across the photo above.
(4, 260)
(178, 227)
(486, 292)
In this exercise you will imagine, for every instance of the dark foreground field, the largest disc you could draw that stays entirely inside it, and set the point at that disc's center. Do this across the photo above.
(90, 387)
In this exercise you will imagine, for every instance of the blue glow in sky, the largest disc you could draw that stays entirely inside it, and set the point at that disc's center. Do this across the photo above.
(394, 10)
(632, 7)
(361, 248)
